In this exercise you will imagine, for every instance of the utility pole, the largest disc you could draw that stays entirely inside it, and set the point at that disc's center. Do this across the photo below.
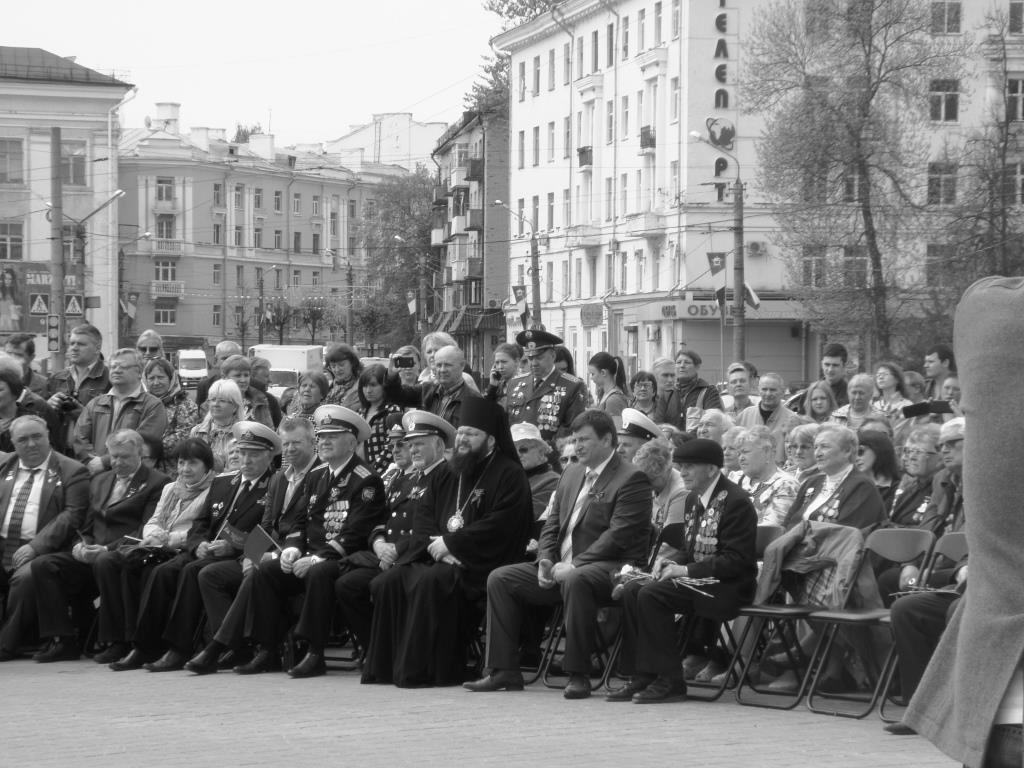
(57, 245)
(739, 310)
(349, 330)
(535, 277)
(259, 282)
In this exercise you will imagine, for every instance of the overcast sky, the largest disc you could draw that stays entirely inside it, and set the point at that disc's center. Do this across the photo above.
(308, 69)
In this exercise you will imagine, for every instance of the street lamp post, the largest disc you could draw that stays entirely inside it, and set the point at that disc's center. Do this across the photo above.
(534, 265)
(739, 312)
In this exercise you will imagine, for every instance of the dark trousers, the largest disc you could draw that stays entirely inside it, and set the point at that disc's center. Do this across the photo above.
(649, 638)
(155, 604)
(187, 610)
(272, 593)
(918, 622)
(21, 620)
(352, 590)
(59, 579)
(511, 588)
(218, 586)
(120, 587)
(237, 622)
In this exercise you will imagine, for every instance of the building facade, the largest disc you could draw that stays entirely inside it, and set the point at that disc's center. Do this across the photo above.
(215, 235)
(390, 138)
(41, 91)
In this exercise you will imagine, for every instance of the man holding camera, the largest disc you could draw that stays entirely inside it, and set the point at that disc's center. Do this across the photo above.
(85, 377)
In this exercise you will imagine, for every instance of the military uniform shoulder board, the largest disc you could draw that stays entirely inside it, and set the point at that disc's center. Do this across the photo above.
(570, 377)
(362, 471)
(317, 469)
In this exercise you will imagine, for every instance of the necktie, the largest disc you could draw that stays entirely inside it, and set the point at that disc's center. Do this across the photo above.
(118, 492)
(574, 518)
(243, 487)
(13, 540)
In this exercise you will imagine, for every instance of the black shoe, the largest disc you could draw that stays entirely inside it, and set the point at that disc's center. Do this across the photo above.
(661, 690)
(776, 664)
(231, 658)
(204, 662)
(171, 661)
(6, 655)
(61, 649)
(112, 653)
(134, 660)
(578, 687)
(636, 684)
(899, 729)
(312, 665)
(263, 661)
(498, 680)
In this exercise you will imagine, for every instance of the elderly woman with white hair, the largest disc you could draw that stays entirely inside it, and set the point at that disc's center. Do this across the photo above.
(654, 458)
(771, 489)
(225, 406)
(839, 493)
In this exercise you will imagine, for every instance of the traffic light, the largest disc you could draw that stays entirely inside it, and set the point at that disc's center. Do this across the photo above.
(53, 334)
(78, 247)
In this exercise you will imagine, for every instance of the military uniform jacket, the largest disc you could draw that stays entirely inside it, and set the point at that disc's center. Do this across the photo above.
(403, 499)
(244, 514)
(551, 407)
(286, 524)
(343, 508)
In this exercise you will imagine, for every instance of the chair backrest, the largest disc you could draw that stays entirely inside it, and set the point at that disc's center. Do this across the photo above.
(901, 545)
(766, 534)
(951, 547)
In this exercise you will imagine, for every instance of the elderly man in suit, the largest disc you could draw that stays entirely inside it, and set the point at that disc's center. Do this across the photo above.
(600, 520)
(716, 539)
(121, 500)
(43, 501)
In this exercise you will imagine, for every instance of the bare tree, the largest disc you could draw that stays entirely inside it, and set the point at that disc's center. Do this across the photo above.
(279, 314)
(317, 313)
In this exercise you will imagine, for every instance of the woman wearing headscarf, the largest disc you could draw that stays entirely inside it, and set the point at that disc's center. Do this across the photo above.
(182, 414)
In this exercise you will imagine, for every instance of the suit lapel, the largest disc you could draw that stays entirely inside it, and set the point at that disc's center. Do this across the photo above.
(106, 487)
(7, 484)
(52, 468)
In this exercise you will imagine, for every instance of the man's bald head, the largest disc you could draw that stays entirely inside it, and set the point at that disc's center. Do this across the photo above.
(449, 362)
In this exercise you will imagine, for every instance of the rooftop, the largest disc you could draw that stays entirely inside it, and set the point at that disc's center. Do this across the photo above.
(38, 65)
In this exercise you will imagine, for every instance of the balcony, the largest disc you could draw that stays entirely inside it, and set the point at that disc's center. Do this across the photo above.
(653, 62)
(582, 236)
(437, 236)
(458, 177)
(476, 220)
(475, 171)
(590, 87)
(585, 156)
(163, 289)
(458, 225)
(646, 224)
(440, 194)
(475, 268)
(647, 140)
(162, 246)
(166, 206)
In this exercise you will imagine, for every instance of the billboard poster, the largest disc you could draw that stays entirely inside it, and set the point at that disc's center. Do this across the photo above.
(25, 298)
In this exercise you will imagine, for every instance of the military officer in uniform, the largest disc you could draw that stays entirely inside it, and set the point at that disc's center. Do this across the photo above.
(346, 504)
(544, 397)
(426, 438)
(636, 430)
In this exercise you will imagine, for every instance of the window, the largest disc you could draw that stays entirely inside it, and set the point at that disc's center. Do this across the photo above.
(521, 215)
(625, 39)
(165, 271)
(609, 122)
(1016, 21)
(579, 278)
(522, 81)
(551, 142)
(549, 282)
(239, 190)
(675, 18)
(316, 243)
(236, 237)
(551, 69)
(595, 51)
(351, 209)
(12, 161)
(654, 271)
(316, 205)
(277, 279)
(277, 239)
(278, 201)
(1013, 183)
(218, 234)
(334, 224)
(536, 75)
(216, 315)
(566, 63)
(296, 278)
(855, 266)
(566, 288)
(315, 278)
(218, 274)
(625, 118)
(536, 145)
(566, 208)
(165, 311)
(257, 238)
(522, 149)
(352, 245)
(567, 136)
(624, 192)
(609, 192)
(639, 190)
(297, 203)
(239, 316)
(610, 46)
(164, 188)
(1014, 100)
(257, 198)
(854, 186)
(674, 85)
(639, 111)
(72, 162)
(941, 184)
(944, 98)
(551, 210)
(218, 195)
(609, 271)
(579, 57)
(259, 277)
(297, 242)
(239, 275)
(813, 266)
(535, 212)
(938, 260)
(641, 18)
(657, 23)
(165, 226)
(11, 240)
(673, 181)
(946, 18)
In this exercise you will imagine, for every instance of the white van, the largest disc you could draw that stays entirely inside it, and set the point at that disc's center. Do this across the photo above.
(192, 367)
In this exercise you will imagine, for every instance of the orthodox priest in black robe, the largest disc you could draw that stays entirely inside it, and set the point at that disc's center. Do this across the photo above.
(470, 520)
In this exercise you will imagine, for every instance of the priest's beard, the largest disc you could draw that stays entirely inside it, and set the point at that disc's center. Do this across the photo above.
(465, 464)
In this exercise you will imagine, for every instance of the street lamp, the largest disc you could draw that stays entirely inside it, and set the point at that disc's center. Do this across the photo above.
(534, 264)
(739, 333)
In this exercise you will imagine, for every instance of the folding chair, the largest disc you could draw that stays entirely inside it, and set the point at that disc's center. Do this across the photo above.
(898, 545)
(952, 546)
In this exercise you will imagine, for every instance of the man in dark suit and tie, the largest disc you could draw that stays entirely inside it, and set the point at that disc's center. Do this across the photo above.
(227, 586)
(172, 606)
(717, 539)
(121, 500)
(43, 500)
(600, 520)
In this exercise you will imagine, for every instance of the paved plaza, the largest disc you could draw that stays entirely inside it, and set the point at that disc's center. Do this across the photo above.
(81, 714)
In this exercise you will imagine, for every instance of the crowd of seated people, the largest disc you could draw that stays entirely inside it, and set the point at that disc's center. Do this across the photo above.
(402, 506)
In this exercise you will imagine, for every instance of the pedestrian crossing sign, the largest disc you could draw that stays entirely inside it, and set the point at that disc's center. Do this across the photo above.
(38, 304)
(72, 304)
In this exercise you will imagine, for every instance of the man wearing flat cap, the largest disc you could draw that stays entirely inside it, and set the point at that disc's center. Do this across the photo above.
(346, 503)
(469, 521)
(544, 397)
(636, 430)
(172, 605)
(425, 438)
(717, 539)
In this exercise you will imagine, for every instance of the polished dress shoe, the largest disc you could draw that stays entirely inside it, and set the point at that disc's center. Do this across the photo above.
(578, 687)
(312, 665)
(171, 661)
(204, 662)
(112, 653)
(231, 658)
(134, 660)
(498, 680)
(693, 664)
(61, 649)
(899, 729)
(636, 684)
(663, 689)
(263, 661)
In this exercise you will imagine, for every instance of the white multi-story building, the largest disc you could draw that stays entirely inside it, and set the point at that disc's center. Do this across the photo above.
(390, 138)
